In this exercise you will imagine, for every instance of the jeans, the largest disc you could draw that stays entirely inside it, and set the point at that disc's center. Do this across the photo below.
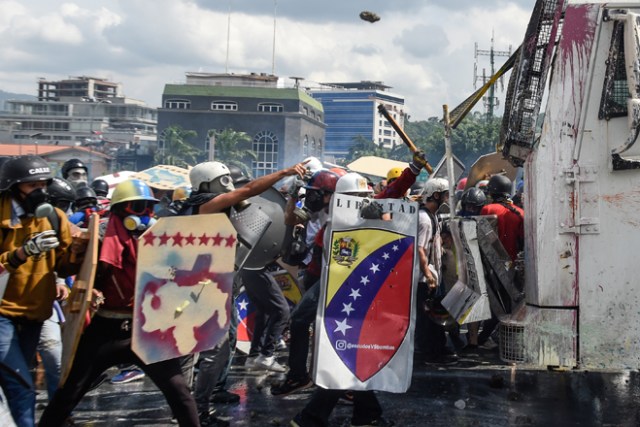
(366, 407)
(212, 364)
(18, 342)
(302, 317)
(265, 294)
(50, 349)
(233, 339)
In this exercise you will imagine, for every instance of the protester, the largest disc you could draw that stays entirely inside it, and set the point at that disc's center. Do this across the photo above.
(76, 172)
(107, 339)
(214, 192)
(36, 245)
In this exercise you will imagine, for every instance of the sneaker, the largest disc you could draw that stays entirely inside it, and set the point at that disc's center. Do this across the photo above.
(250, 362)
(269, 363)
(98, 382)
(380, 422)
(489, 344)
(127, 376)
(224, 396)
(282, 345)
(289, 386)
(209, 419)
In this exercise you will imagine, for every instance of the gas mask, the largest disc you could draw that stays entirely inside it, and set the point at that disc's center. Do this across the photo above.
(314, 201)
(138, 223)
(77, 177)
(224, 184)
(37, 204)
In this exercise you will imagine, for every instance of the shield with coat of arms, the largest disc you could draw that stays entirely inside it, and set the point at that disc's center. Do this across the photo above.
(365, 312)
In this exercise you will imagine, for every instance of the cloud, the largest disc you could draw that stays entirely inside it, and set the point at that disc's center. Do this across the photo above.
(423, 50)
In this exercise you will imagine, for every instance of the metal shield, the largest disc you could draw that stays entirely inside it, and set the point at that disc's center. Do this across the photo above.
(184, 283)
(261, 230)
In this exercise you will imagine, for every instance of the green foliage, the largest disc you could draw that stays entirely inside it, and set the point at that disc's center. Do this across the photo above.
(474, 136)
(234, 148)
(177, 151)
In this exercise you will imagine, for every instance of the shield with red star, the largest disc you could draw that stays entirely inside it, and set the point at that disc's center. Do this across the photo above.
(184, 283)
(366, 310)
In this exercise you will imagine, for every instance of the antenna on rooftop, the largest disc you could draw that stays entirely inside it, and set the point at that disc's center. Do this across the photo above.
(226, 64)
(273, 56)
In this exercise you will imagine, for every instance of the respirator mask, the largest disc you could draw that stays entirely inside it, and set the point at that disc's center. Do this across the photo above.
(138, 223)
(37, 203)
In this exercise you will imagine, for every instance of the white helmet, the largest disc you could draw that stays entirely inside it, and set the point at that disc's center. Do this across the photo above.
(314, 164)
(206, 172)
(434, 185)
(351, 183)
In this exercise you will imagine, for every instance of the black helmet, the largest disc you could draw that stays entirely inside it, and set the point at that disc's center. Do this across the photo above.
(237, 175)
(499, 184)
(473, 197)
(61, 193)
(85, 197)
(24, 169)
(101, 187)
(72, 164)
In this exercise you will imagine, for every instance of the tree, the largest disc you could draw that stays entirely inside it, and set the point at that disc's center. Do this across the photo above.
(474, 137)
(365, 147)
(177, 151)
(233, 148)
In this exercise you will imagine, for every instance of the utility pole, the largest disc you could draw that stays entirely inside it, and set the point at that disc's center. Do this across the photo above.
(490, 101)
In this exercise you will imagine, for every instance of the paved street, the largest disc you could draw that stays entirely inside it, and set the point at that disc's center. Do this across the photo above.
(477, 391)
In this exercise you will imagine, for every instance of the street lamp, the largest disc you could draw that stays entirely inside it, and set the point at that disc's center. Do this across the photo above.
(35, 141)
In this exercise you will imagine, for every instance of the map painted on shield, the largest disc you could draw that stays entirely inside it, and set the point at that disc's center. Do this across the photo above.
(183, 286)
(367, 309)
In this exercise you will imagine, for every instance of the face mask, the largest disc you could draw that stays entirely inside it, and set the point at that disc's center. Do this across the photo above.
(314, 201)
(138, 223)
(220, 185)
(37, 204)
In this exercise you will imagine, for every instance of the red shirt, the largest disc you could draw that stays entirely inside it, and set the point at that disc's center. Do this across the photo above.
(510, 226)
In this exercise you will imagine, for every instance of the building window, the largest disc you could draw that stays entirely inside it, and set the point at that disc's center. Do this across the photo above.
(177, 104)
(305, 111)
(269, 107)
(224, 106)
(265, 145)
(313, 146)
(305, 146)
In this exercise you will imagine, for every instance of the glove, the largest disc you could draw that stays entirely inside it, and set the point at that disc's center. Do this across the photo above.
(40, 243)
(371, 210)
(419, 161)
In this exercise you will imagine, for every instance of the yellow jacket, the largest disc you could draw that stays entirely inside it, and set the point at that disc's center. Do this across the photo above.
(32, 285)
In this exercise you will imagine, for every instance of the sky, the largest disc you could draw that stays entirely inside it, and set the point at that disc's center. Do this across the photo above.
(423, 49)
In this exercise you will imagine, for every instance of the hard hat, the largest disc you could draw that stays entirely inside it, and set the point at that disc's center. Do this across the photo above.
(394, 173)
(101, 187)
(207, 172)
(499, 184)
(86, 193)
(339, 171)
(60, 190)
(461, 184)
(473, 197)
(434, 185)
(130, 190)
(72, 164)
(314, 164)
(323, 180)
(352, 183)
(24, 169)
(237, 175)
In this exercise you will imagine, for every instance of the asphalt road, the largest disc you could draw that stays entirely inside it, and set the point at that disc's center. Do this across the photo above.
(479, 390)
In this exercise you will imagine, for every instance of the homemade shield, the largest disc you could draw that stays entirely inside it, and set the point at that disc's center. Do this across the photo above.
(75, 309)
(488, 165)
(164, 177)
(247, 313)
(183, 286)
(364, 326)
